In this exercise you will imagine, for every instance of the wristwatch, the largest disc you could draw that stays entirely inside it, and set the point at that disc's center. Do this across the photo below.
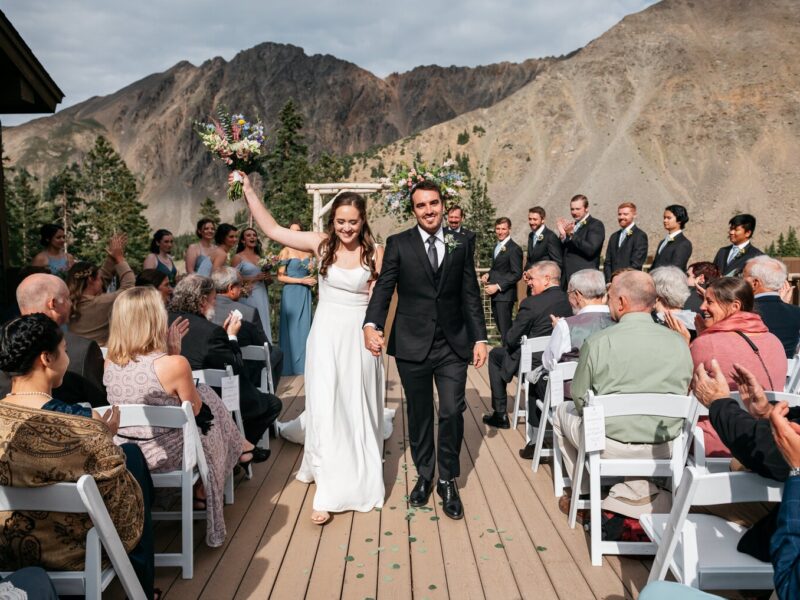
(794, 471)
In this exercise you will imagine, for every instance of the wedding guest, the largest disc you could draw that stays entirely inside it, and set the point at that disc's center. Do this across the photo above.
(295, 320)
(159, 257)
(628, 246)
(501, 281)
(675, 249)
(581, 239)
(139, 371)
(91, 305)
(699, 275)
(730, 260)
(44, 440)
(209, 346)
(543, 243)
(455, 220)
(226, 239)
(248, 255)
(672, 291)
(157, 279)
(198, 255)
(54, 256)
(768, 276)
(83, 381)
(533, 320)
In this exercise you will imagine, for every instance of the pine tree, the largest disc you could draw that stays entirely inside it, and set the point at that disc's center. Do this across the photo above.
(63, 193)
(328, 169)
(26, 214)
(288, 171)
(792, 246)
(209, 210)
(480, 216)
(771, 251)
(780, 250)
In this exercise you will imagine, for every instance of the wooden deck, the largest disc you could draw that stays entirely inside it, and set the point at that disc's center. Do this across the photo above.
(512, 543)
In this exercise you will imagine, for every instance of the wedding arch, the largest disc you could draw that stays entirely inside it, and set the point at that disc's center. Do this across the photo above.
(320, 190)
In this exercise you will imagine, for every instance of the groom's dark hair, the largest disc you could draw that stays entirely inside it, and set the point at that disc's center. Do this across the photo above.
(425, 184)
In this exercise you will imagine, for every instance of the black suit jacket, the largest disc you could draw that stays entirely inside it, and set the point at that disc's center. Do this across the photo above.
(225, 306)
(582, 250)
(632, 253)
(548, 248)
(533, 320)
(470, 235)
(737, 264)
(675, 254)
(782, 319)
(454, 304)
(506, 271)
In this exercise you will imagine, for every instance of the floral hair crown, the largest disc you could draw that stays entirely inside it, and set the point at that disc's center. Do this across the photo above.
(84, 274)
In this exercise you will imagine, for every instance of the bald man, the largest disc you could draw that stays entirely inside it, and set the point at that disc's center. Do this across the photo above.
(83, 381)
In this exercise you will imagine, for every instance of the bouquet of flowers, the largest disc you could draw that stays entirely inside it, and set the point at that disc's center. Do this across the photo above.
(313, 267)
(237, 142)
(450, 181)
(269, 262)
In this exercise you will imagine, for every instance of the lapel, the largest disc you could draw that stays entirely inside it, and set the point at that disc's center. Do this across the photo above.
(418, 246)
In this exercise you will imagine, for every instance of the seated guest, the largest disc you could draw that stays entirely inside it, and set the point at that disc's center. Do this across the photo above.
(139, 371)
(534, 319)
(83, 381)
(675, 249)
(54, 256)
(627, 247)
(730, 260)
(159, 257)
(671, 294)
(228, 284)
(767, 277)
(634, 356)
(44, 440)
(91, 306)
(698, 276)
(157, 279)
(209, 346)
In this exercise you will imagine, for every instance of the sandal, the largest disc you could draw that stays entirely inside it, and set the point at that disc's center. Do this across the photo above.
(317, 517)
(246, 463)
(199, 503)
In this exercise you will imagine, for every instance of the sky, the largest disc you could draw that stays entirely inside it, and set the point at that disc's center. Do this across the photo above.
(95, 47)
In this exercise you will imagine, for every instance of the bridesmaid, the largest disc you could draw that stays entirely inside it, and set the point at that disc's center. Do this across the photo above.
(198, 254)
(295, 320)
(225, 237)
(53, 256)
(248, 253)
(159, 257)
(675, 249)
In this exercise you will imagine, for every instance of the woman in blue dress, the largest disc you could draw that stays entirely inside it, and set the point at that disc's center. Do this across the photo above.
(159, 257)
(54, 256)
(198, 255)
(248, 255)
(295, 273)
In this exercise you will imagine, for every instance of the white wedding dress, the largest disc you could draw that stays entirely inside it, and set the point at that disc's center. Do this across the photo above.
(343, 420)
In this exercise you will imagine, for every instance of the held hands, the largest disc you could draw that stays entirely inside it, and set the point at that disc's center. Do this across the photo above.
(175, 333)
(373, 340)
(479, 354)
(232, 324)
(751, 392)
(786, 434)
(708, 389)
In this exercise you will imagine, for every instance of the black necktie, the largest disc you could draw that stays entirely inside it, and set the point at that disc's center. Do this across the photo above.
(432, 256)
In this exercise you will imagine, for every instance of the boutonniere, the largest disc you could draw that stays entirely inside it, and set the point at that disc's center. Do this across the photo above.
(670, 240)
(582, 223)
(540, 238)
(450, 242)
(502, 248)
(629, 233)
(739, 252)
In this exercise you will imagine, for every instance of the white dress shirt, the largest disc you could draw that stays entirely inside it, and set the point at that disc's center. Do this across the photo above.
(623, 234)
(669, 237)
(438, 244)
(735, 251)
(560, 342)
(536, 235)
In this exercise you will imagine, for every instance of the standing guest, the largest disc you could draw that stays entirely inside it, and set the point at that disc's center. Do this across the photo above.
(83, 381)
(767, 277)
(157, 279)
(54, 256)
(198, 255)
(91, 305)
(543, 243)
(699, 275)
(501, 281)
(675, 249)
(295, 320)
(671, 294)
(226, 239)
(139, 371)
(628, 246)
(533, 320)
(455, 220)
(159, 257)
(248, 253)
(730, 260)
(581, 239)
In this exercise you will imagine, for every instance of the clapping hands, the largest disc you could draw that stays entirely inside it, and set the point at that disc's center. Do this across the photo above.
(751, 393)
(232, 324)
(708, 389)
(786, 434)
(175, 334)
(116, 246)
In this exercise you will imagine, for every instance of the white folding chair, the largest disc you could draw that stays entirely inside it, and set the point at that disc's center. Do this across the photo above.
(81, 497)
(700, 549)
(261, 354)
(618, 405)
(193, 467)
(553, 397)
(527, 346)
(793, 376)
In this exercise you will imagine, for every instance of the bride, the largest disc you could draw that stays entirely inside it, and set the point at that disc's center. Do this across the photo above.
(343, 381)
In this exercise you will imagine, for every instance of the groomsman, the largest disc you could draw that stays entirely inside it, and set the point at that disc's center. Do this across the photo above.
(627, 248)
(501, 281)
(543, 243)
(730, 260)
(581, 239)
(455, 218)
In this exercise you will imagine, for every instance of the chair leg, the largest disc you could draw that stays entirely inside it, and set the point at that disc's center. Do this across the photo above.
(187, 529)
(596, 529)
(93, 567)
(577, 479)
(559, 481)
(516, 403)
(229, 489)
(540, 433)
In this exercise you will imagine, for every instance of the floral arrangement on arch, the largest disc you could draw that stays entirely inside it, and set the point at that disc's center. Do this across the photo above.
(447, 176)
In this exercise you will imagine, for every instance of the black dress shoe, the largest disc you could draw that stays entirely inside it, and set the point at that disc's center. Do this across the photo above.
(260, 454)
(497, 419)
(421, 492)
(527, 451)
(451, 503)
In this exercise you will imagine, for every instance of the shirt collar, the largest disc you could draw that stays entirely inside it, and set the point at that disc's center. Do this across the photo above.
(539, 231)
(629, 227)
(742, 246)
(637, 316)
(585, 218)
(504, 242)
(439, 235)
(764, 294)
(674, 234)
(594, 308)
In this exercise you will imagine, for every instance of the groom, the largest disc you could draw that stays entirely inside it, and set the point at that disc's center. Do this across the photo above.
(438, 330)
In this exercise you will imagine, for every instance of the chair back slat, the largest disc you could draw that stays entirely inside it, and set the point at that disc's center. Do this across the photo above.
(656, 405)
(133, 415)
(732, 488)
(793, 375)
(58, 497)
(258, 353)
(528, 346)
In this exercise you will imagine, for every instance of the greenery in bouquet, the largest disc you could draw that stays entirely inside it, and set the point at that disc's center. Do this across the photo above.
(269, 262)
(235, 141)
(447, 176)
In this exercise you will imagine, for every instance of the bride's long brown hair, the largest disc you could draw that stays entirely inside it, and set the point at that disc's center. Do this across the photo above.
(327, 249)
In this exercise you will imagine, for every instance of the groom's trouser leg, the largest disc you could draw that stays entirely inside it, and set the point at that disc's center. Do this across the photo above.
(417, 380)
(450, 373)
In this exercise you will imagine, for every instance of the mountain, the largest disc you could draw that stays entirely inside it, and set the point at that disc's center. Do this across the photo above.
(688, 102)
(347, 109)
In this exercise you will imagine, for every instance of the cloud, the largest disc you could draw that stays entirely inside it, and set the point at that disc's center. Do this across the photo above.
(95, 47)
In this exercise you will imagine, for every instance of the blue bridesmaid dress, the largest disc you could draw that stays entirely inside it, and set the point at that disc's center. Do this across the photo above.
(295, 320)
